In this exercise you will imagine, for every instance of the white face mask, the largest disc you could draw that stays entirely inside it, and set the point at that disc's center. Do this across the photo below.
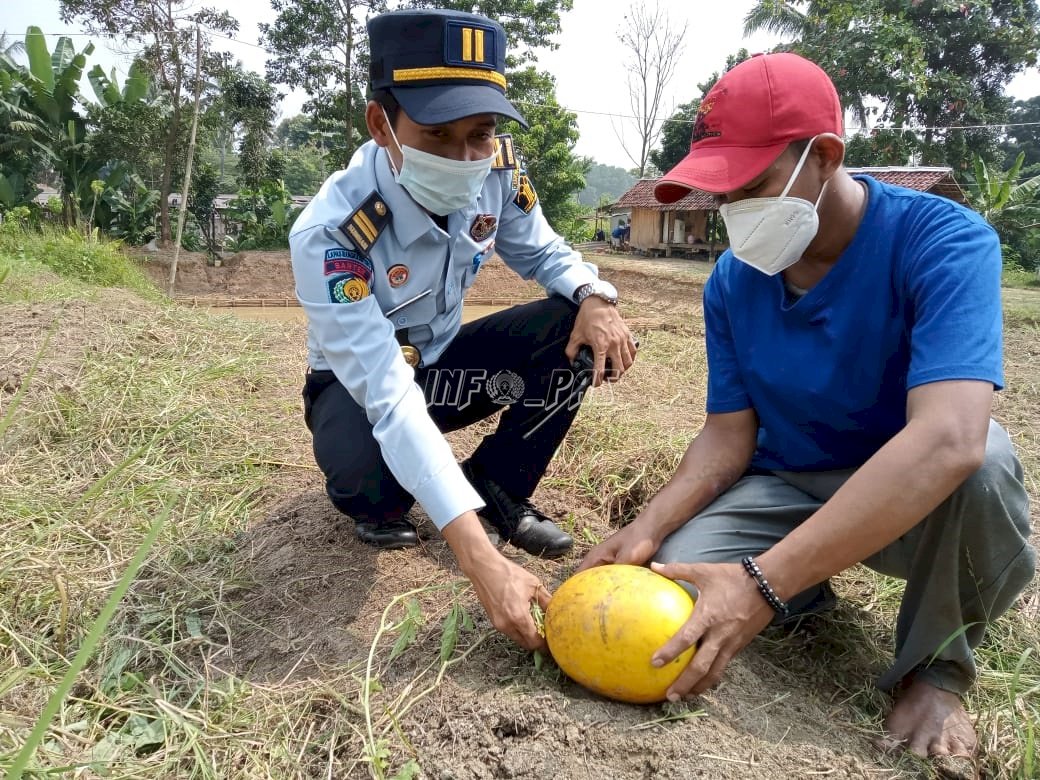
(770, 234)
(439, 185)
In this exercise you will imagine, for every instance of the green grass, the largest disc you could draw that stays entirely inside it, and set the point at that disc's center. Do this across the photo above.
(1006, 696)
(129, 412)
(58, 264)
(137, 406)
(1022, 305)
(1019, 277)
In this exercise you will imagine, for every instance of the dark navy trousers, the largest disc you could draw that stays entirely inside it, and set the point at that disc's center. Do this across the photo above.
(512, 360)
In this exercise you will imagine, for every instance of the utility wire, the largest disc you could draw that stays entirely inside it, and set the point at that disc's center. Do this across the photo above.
(614, 115)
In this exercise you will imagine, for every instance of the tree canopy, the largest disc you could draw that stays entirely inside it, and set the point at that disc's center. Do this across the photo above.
(922, 66)
(166, 31)
(1023, 132)
(677, 129)
(547, 147)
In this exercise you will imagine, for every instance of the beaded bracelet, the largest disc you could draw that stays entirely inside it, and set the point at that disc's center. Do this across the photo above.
(780, 607)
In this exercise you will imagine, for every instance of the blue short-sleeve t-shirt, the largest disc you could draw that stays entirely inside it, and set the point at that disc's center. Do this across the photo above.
(915, 298)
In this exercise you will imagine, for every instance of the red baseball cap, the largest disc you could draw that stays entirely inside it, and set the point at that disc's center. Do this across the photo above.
(748, 118)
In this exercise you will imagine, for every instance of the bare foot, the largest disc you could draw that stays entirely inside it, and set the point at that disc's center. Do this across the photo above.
(929, 721)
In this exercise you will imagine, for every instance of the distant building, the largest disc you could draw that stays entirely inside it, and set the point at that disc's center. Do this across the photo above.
(45, 194)
(682, 227)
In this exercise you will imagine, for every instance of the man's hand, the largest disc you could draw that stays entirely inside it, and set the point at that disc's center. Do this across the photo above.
(633, 544)
(600, 326)
(730, 612)
(505, 590)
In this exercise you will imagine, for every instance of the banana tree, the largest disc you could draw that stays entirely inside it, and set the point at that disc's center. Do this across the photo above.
(133, 211)
(136, 95)
(107, 88)
(48, 89)
(20, 130)
(1010, 206)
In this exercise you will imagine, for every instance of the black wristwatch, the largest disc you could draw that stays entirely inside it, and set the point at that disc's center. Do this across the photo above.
(600, 288)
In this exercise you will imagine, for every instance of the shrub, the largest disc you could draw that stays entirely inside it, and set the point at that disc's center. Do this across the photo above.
(133, 212)
(265, 215)
(71, 255)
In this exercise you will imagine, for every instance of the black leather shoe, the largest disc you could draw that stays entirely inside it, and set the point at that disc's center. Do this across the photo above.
(392, 535)
(517, 521)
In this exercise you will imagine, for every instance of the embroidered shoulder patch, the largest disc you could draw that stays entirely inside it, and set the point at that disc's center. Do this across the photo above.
(367, 222)
(505, 155)
(348, 274)
(347, 288)
(348, 261)
(526, 198)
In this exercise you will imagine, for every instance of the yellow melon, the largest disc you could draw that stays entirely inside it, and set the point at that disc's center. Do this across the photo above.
(604, 624)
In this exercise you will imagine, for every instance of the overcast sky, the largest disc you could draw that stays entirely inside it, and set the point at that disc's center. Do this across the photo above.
(588, 66)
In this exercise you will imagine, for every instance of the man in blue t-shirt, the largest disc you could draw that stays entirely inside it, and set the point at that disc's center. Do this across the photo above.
(618, 234)
(854, 345)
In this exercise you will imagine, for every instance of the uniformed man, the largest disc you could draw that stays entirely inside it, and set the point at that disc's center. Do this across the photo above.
(382, 259)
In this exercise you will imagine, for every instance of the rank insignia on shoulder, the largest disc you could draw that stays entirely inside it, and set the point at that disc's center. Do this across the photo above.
(365, 224)
(505, 156)
(526, 198)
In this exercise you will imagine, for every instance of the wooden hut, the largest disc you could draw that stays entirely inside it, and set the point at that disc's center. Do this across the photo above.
(679, 227)
(682, 227)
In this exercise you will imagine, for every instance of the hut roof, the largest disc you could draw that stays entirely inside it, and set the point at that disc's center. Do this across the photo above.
(937, 180)
(641, 196)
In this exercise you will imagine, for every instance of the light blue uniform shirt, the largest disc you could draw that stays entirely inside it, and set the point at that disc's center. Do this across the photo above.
(355, 339)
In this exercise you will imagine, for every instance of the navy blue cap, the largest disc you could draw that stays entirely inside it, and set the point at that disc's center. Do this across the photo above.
(440, 65)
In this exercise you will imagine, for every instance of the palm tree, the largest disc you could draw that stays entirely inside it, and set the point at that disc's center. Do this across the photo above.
(779, 17)
(10, 46)
(806, 33)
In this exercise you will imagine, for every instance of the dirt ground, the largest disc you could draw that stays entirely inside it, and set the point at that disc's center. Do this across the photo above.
(307, 598)
(269, 275)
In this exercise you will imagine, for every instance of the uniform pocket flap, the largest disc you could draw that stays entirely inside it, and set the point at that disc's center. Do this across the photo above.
(418, 312)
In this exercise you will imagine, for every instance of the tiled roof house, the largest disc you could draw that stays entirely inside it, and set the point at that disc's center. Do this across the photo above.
(682, 226)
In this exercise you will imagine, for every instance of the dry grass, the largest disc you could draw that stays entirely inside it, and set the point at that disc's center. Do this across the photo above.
(137, 406)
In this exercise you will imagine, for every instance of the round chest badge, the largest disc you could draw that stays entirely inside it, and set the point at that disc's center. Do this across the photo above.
(397, 275)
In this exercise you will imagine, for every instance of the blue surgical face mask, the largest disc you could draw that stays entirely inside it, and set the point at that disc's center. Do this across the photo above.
(439, 185)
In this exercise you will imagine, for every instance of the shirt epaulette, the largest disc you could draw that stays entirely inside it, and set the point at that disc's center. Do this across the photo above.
(366, 222)
(505, 155)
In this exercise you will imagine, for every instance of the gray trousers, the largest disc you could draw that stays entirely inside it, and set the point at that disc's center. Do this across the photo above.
(964, 564)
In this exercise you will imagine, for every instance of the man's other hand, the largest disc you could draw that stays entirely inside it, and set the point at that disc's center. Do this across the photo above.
(599, 325)
(729, 613)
